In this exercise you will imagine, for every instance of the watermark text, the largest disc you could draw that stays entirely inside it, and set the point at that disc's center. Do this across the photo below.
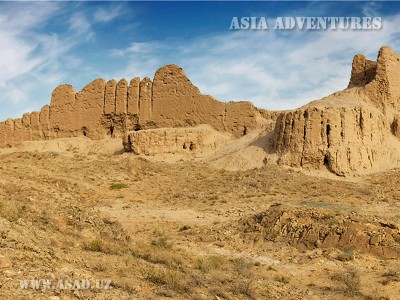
(65, 284)
(306, 23)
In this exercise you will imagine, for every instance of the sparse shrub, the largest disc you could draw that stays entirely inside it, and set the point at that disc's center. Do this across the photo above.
(171, 279)
(266, 294)
(351, 280)
(271, 268)
(95, 245)
(11, 212)
(213, 197)
(282, 279)
(391, 273)
(241, 265)
(165, 256)
(125, 284)
(161, 242)
(346, 256)
(178, 195)
(396, 218)
(164, 293)
(184, 227)
(118, 186)
(244, 288)
(391, 276)
(210, 263)
(218, 293)
(108, 221)
(99, 267)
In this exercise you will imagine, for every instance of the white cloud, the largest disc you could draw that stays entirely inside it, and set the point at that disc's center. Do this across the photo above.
(17, 39)
(27, 17)
(275, 70)
(139, 48)
(79, 24)
(33, 61)
(103, 15)
(15, 57)
(370, 9)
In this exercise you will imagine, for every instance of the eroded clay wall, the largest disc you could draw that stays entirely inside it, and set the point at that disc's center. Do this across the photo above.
(103, 109)
(384, 90)
(133, 96)
(363, 71)
(89, 107)
(63, 112)
(358, 132)
(178, 103)
(121, 97)
(189, 141)
(343, 140)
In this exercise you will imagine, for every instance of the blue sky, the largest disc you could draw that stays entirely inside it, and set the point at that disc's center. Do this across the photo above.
(45, 44)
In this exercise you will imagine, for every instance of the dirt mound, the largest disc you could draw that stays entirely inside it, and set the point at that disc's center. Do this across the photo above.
(70, 146)
(310, 228)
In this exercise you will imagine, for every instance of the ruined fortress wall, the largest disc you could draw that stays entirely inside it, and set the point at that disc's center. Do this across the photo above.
(346, 136)
(89, 106)
(2, 135)
(62, 114)
(363, 71)
(133, 96)
(109, 97)
(351, 130)
(121, 97)
(18, 131)
(342, 140)
(44, 123)
(384, 90)
(103, 109)
(145, 101)
(9, 132)
(178, 103)
(190, 140)
(35, 126)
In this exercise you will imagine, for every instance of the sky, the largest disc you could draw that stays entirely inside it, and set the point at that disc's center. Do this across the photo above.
(45, 44)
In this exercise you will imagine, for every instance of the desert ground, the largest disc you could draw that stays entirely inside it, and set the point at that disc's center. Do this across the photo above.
(74, 209)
